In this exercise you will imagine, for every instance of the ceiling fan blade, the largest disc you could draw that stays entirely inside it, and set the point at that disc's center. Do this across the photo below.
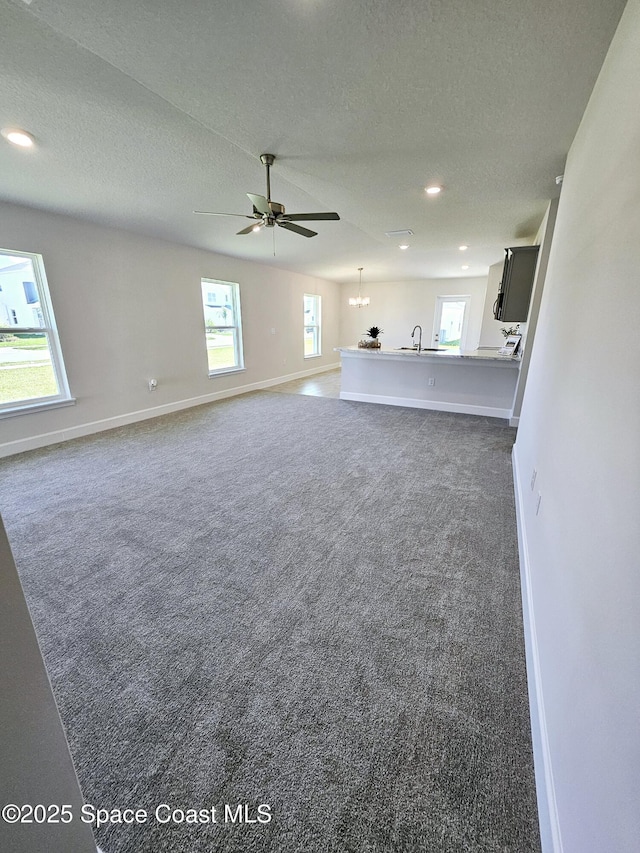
(300, 217)
(246, 230)
(209, 213)
(297, 229)
(260, 203)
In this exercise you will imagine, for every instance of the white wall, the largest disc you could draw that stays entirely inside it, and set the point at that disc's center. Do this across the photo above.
(129, 308)
(397, 306)
(580, 429)
(36, 763)
(490, 334)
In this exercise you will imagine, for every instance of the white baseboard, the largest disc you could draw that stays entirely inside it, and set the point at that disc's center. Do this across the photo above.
(9, 448)
(434, 405)
(547, 806)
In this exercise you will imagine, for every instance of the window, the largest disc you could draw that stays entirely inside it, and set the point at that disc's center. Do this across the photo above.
(31, 367)
(311, 325)
(223, 327)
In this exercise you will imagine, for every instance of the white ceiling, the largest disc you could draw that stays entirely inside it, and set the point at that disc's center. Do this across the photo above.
(145, 111)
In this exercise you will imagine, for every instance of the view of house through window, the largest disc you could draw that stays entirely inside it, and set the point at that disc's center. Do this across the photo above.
(31, 368)
(223, 330)
(311, 325)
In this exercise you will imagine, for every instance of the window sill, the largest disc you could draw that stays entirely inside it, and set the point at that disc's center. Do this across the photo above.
(225, 371)
(42, 406)
(314, 355)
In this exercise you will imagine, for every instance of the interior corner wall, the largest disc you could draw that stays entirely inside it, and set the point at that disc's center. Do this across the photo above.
(129, 308)
(490, 334)
(543, 239)
(397, 306)
(579, 431)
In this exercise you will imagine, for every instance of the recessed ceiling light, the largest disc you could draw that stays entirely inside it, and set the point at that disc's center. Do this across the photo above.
(433, 189)
(403, 246)
(465, 266)
(17, 137)
(463, 248)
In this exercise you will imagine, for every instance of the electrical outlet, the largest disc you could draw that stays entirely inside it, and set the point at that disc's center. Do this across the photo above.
(533, 478)
(432, 381)
(153, 384)
(538, 503)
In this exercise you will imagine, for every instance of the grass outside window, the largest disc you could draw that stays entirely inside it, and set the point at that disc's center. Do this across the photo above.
(27, 383)
(20, 377)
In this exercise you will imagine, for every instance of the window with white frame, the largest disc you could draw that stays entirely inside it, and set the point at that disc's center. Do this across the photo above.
(223, 326)
(32, 372)
(311, 325)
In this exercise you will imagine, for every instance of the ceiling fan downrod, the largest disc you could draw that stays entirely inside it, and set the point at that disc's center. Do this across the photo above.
(268, 160)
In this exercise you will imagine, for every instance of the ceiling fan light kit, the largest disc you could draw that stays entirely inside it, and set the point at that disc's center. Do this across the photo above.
(270, 213)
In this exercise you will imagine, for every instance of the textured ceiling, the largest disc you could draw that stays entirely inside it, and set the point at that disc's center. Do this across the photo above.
(146, 111)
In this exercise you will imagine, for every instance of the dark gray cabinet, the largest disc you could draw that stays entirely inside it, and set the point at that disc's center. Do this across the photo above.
(514, 295)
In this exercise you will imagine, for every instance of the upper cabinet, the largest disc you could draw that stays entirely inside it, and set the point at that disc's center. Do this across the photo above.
(514, 295)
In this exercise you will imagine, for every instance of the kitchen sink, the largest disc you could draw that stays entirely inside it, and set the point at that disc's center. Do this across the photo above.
(423, 349)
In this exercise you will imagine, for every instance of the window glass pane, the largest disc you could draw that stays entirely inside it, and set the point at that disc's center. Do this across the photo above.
(311, 324)
(310, 309)
(31, 365)
(221, 349)
(310, 341)
(26, 367)
(19, 299)
(221, 305)
(218, 304)
(451, 323)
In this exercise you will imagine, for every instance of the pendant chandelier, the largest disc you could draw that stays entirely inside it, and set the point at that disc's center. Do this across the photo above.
(359, 301)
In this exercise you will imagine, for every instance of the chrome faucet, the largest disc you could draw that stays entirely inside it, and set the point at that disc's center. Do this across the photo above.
(419, 338)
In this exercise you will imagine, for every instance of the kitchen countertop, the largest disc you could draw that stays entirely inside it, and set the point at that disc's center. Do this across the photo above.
(471, 356)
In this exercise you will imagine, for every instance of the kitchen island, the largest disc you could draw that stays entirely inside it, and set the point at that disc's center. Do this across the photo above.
(481, 382)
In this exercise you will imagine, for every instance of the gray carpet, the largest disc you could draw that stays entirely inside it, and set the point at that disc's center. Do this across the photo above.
(286, 600)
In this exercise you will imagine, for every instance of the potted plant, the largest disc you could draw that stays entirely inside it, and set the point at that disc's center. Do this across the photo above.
(373, 342)
(512, 330)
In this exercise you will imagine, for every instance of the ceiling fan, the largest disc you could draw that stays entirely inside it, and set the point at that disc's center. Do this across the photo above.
(267, 213)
